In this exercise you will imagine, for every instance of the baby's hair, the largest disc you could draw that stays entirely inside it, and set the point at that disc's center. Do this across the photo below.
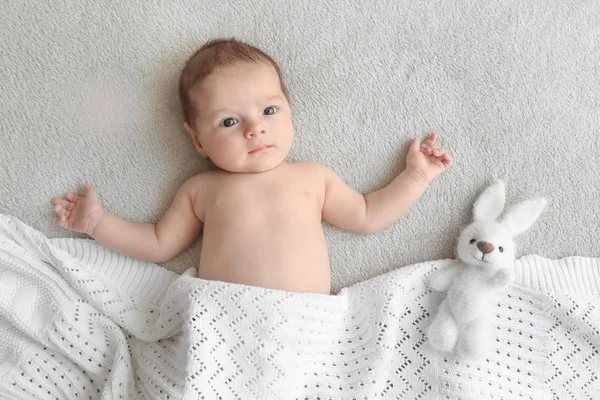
(215, 54)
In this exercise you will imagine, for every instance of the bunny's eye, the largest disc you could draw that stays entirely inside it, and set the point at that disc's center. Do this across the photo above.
(472, 241)
(501, 249)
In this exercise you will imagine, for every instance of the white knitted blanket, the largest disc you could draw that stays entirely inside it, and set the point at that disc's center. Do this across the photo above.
(80, 321)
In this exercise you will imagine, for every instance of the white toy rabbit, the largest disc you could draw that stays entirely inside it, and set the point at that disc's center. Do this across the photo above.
(485, 264)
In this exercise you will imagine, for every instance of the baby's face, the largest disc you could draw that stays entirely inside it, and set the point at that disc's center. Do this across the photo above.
(244, 121)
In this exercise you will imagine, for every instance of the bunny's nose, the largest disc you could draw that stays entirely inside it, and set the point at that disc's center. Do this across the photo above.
(485, 247)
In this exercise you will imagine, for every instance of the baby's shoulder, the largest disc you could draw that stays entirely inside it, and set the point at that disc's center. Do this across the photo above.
(199, 179)
(198, 183)
(318, 172)
(311, 175)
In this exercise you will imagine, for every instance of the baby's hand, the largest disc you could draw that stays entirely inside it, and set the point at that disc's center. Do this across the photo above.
(425, 161)
(79, 214)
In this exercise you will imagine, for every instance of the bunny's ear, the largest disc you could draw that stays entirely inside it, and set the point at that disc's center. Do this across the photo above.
(521, 216)
(490, 203)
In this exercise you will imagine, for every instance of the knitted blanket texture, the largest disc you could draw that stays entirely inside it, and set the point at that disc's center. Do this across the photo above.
(78, 321)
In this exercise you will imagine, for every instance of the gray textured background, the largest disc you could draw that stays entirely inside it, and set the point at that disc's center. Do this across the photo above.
(89, 94)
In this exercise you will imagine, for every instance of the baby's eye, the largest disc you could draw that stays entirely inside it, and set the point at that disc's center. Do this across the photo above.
(472, 241)
(501, 249)
(228, 122)
(270, 110)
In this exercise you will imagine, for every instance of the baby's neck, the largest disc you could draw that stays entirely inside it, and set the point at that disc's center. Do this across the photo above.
(279, 168)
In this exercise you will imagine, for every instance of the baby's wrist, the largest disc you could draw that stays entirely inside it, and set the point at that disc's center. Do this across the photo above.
(92, 229)
(419, 178)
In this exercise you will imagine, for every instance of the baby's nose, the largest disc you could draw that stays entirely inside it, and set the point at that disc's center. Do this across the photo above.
(252, 130)
(485, 247)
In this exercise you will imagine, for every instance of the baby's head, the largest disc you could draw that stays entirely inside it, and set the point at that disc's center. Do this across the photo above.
(236, 107)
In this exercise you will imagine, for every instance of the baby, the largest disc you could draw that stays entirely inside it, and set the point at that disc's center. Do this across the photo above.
(260, 215)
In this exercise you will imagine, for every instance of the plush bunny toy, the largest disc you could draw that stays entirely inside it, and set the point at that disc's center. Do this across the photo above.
(485, 264)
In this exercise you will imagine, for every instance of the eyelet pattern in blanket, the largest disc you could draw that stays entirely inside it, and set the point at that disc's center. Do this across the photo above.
(80, 321)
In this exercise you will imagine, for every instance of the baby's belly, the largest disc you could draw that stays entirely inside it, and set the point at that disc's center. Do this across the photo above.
(288, 255)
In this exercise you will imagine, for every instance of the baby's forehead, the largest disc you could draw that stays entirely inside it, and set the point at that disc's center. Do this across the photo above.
(231, 83)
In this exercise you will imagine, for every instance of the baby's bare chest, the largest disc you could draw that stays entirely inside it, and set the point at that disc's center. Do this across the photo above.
(259, 200)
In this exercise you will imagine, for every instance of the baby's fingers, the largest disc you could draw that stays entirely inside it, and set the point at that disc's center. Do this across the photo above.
(430, 141)
(71, 197)
(62, 220)
(66, 204)
(434, 151)
(447, 159)
(60, 210)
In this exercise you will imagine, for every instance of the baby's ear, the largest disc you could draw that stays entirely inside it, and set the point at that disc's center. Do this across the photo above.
(490, 203)
(195, 139)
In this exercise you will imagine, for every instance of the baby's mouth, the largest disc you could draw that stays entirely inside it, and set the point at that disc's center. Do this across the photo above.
(260, 148)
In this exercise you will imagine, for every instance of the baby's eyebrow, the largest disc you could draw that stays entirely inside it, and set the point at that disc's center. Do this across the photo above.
(217, 111)
(276, 97)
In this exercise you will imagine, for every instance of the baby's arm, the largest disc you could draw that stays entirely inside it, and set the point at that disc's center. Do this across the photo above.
(346, 208)
(176, 231)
